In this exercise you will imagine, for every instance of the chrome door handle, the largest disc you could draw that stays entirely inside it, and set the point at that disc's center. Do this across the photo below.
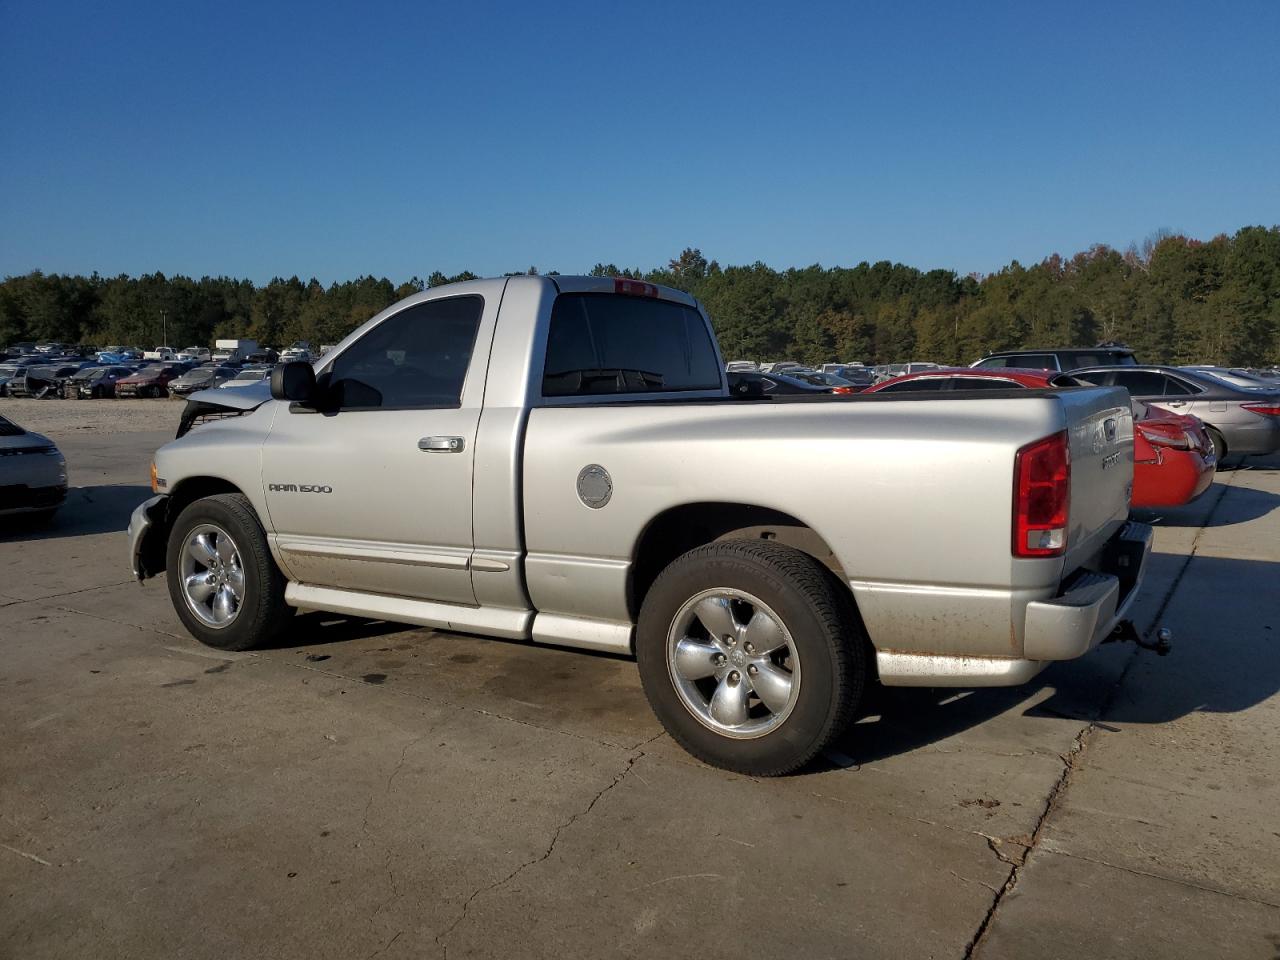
(441, 444)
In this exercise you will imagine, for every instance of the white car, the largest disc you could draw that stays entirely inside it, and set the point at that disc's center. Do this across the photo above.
(295, 353)
(33, 473)
(246, 378)
(199, 354)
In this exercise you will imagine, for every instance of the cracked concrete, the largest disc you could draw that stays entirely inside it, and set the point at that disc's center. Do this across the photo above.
(373, 790)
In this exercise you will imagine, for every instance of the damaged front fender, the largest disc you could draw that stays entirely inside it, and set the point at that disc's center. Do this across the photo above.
(148, 533)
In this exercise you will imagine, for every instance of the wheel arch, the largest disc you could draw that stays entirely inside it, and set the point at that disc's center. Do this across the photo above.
(679, 529)
(153, 549)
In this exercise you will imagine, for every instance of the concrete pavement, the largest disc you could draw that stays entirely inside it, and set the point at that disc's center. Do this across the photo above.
(366, 789)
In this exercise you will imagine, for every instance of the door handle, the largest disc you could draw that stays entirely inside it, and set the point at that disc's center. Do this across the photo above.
(441, 444)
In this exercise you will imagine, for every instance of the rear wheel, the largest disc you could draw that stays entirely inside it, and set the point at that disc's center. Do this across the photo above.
(1219, 444)
(222, 580)
(751, 655)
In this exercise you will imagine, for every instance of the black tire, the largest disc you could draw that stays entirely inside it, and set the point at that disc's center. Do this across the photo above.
(825, 629)
(1219, 443)
(262, 614)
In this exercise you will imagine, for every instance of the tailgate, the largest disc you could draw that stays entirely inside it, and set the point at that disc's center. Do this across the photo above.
(1100, 427)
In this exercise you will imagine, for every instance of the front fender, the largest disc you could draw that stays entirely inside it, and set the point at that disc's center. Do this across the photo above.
(148, 533)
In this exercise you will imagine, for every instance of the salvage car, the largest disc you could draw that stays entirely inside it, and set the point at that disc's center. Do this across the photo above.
(33, 473)
(44, 380)
(247, 377)
(557, 459)
(1239, 420)
(747, 383)
(151, 381)
(201, 378)
(1173, 462)
(94, 383)
(8, 373)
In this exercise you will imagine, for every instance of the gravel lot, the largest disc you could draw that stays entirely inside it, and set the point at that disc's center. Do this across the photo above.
(368, 789)
(105, 417)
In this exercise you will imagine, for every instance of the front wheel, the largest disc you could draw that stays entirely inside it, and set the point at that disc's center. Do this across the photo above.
(222, 580)
(751, 655)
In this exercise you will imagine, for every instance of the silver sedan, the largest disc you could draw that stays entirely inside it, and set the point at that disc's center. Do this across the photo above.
(1241, 420)
(33, 473)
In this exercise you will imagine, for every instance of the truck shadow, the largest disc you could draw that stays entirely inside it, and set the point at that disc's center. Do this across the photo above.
(87, 511)
(1246, 504)
(1219, 664)
(317, 628)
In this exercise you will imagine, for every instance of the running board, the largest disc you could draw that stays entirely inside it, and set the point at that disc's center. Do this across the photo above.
(491, 621)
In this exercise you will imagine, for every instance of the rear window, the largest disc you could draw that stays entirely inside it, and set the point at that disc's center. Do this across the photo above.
(1100, 358)
(609, 344)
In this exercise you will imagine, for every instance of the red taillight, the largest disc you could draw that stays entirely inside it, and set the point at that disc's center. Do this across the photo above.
(1166, 435)
(845, 390)
(1267, 408)
(1041, 495)
(634, 288)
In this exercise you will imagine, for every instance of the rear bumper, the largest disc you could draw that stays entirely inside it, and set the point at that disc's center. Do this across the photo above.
(1071, 625)
(1064, 627)
(19, 498)
(1174, 478)
(1257, 437)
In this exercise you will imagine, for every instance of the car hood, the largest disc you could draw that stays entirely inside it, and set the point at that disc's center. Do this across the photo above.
(25, 441)
(248, 397)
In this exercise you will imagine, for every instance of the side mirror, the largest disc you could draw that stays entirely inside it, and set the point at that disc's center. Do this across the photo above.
(295, 382)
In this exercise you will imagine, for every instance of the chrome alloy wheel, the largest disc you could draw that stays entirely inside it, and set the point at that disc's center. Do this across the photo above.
(733, 663)
(212, 577)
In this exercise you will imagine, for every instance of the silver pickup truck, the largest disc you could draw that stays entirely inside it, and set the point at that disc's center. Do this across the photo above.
(560, 460)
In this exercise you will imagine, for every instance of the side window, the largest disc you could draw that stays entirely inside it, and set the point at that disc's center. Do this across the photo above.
(914, 386)
(1173, 387)
(994, 362)
(417, 358)
(1037, 361)
(983, 383)
(1141, 383)
(606, 343)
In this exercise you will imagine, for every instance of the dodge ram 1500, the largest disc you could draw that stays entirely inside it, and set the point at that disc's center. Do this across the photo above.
(559, 460)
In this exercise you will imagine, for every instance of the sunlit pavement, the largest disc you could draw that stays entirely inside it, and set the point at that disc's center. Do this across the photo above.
(369, 789)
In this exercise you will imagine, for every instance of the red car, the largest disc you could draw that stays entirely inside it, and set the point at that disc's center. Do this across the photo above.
(151, 381)
(1173, 461)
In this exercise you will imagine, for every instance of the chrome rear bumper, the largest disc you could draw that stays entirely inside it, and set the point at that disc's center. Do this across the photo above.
(1061, 628)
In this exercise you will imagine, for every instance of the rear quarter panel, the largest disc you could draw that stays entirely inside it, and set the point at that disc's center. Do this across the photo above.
(912, 495)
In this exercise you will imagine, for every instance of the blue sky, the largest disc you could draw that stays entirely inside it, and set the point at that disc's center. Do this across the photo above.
(335, 140)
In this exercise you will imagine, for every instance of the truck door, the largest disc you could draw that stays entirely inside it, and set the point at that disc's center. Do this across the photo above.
(373, 490)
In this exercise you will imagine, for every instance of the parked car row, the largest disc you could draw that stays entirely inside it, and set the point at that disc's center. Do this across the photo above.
(94, 380)
(1187, 419)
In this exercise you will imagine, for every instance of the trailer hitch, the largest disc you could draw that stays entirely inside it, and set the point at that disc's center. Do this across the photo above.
(1126, 632)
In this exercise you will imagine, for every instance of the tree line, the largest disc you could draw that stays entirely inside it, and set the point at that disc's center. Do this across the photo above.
(1174, 300)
